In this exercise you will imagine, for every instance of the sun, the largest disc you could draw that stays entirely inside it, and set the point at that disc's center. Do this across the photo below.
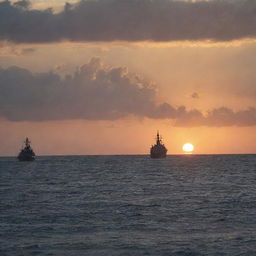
(188, 148)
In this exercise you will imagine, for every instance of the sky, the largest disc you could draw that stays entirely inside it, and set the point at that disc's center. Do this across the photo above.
(102, 76)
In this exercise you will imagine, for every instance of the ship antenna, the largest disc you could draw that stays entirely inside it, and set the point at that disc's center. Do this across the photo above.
(27, 142)
(157, 137)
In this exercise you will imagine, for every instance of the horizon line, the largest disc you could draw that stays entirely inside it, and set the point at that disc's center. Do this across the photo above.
(176, 154)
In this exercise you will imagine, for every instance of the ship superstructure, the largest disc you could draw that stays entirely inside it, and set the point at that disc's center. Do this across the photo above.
(158, 150)
(26, 153)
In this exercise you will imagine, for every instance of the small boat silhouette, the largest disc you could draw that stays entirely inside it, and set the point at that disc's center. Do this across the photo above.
(26, 153)
(158, 150)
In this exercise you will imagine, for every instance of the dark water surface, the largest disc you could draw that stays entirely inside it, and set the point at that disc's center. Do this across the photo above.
(128, 205)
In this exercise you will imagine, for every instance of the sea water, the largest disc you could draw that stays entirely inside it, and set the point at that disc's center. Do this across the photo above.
(128, 205)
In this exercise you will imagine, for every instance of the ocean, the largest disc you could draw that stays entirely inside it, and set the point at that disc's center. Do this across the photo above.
(184, 205)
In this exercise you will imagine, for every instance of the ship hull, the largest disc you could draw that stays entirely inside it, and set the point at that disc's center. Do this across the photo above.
(26, 155)
(157, 156)
(26, 158)
(158, 152)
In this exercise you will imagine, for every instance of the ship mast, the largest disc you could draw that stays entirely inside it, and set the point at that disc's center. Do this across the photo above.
(158, 140)
(27, 142)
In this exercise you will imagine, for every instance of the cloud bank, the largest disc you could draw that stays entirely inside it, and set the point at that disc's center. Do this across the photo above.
(96, 92)
(130, 20)
(9, 49)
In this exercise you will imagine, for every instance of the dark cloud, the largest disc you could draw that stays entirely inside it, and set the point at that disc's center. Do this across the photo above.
(24, 4)
(95, 92)
(130, 20)
(219, 117)
(92, 92)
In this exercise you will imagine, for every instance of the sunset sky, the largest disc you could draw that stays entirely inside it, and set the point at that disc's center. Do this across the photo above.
(102, 76)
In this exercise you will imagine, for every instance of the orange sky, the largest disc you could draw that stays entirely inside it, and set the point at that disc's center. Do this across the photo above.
(217, 74)
(122, 137)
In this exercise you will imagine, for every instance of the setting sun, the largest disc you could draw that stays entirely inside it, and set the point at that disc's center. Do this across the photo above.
(188, 148)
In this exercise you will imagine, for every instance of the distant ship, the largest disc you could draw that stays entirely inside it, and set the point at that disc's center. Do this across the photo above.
(26, 153)
(158, 150)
